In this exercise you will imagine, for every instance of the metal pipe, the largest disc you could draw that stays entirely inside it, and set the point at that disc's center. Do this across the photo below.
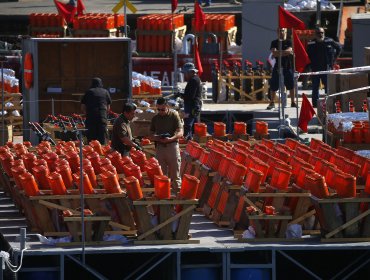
(88, 268)
(296, 77)
(2, 101)
(300, 265)
(318, 13)
(125, 14)
(185, 43)
(82, 200)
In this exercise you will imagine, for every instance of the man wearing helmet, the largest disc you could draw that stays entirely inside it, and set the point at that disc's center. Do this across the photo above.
(192, 98)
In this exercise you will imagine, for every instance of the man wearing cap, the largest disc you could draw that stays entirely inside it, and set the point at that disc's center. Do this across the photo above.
(95, 104)
(121, 135)
(165, 130)
(192, 98)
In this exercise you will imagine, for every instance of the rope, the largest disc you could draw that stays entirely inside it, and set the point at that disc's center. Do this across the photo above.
(13, 268)
(348, 91)
(345, 70)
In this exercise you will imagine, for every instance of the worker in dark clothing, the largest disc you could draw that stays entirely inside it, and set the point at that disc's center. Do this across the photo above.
(95, 104)
(192, 98)
(323, 52)
(286, 67)
(122, 140)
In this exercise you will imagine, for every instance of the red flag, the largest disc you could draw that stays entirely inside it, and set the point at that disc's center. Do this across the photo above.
(198, 62)
(306, 114)
(67, 9)
(174, 5)
(301, 56)
(200, 17)
(288, 20)
(80, 7)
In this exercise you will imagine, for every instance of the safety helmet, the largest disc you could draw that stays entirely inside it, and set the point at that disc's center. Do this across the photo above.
(189, 67)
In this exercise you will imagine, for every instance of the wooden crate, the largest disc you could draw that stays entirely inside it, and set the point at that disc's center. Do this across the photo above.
(164, 232)
(343, 219)
(292, 207)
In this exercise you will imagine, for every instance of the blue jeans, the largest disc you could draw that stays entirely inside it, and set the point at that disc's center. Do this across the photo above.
(315, 87)
(188, 127)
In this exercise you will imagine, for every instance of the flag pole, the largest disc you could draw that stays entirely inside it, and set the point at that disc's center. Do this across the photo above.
(125, 15)
(296, 77)
(174, 82)
(281, 89)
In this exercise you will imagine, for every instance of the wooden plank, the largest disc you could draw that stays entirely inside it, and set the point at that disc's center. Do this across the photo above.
(278, 194)
(165, 212)
(57, 206)
(303, 217)
(124, 212)
(331, 219)
(87, 218)
(184, 225)
(343, 200)
(170, 220)
(166, 202)
(269, 217)
(43, 217)
(351, 211)
(143, 221)
(269, 240)
(251, 203)
(165, 242)
(345, 240)
(349, 223)
(67, 233)
(92, 243)
(77, 196)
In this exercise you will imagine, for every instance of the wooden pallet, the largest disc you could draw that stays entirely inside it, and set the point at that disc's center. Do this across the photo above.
(164, 232)
(117, 206)
(293, 207)
(342, 219)
(223, 212)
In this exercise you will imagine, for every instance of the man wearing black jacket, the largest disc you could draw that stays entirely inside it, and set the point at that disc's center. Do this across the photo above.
(192, 98)
(322, 51)
(96, 104)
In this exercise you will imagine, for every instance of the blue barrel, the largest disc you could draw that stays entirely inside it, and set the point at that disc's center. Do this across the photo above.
(200, 273)
(250, 274)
